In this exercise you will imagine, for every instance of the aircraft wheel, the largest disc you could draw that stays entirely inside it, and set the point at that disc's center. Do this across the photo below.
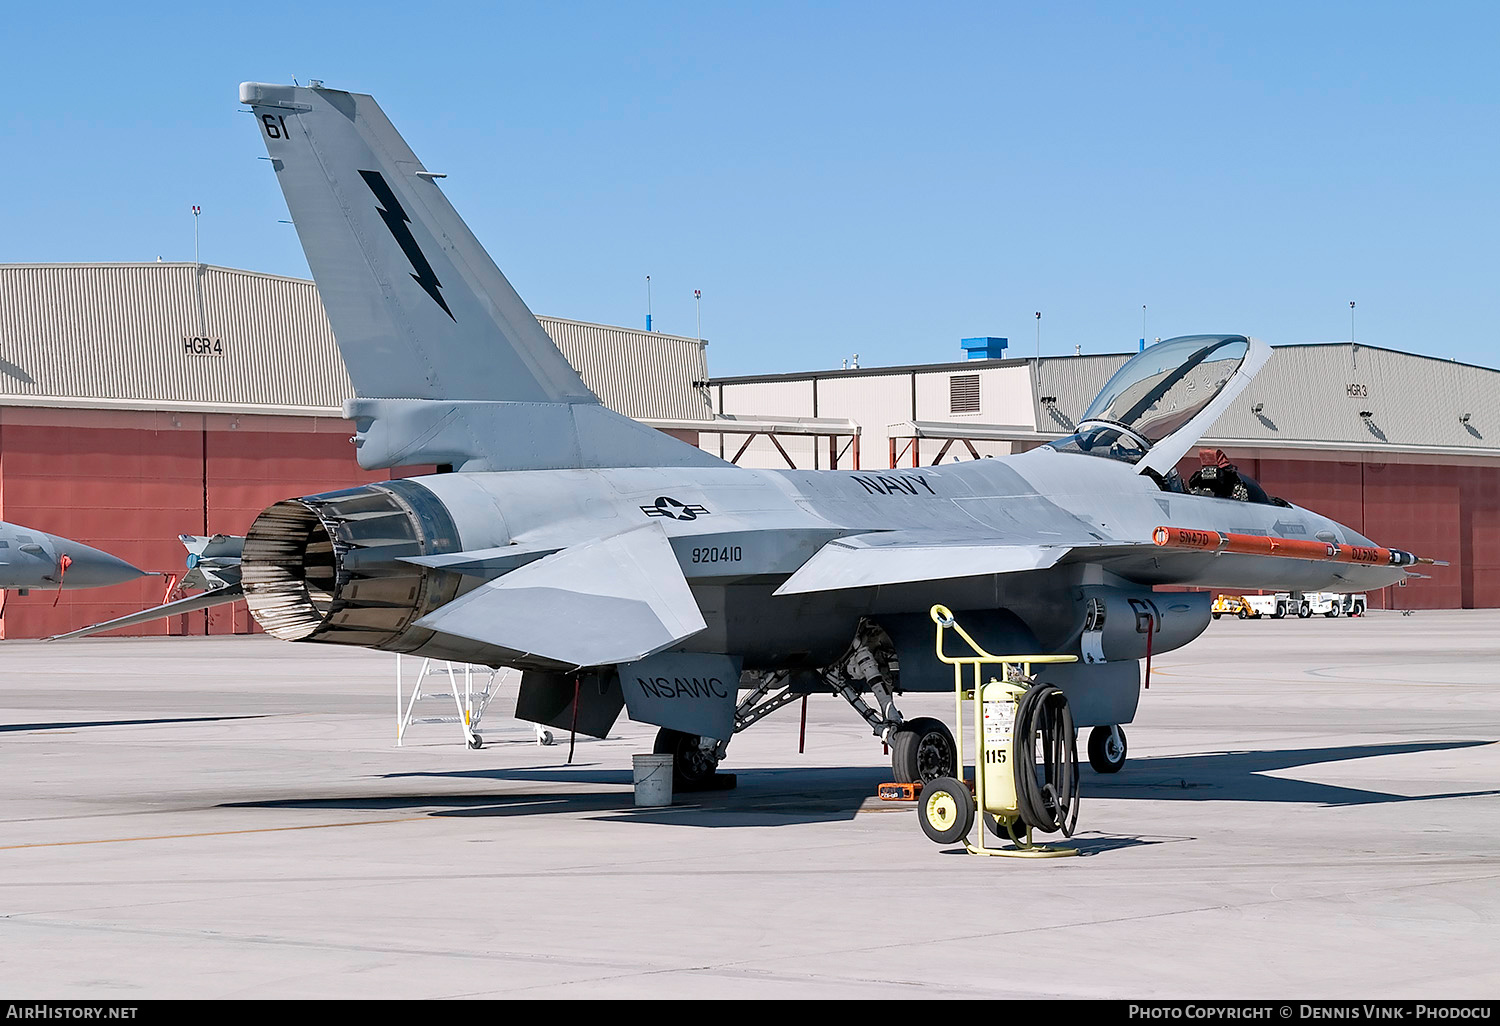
(1304, 611)
(946, 810)
(923, 749)
(692, 766)
(1106, 754)
(475, 741)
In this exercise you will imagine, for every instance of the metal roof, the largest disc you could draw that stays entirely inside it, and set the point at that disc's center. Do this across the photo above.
(122, 336)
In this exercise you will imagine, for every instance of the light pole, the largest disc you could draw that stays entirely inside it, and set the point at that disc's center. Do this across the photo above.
(1039, 336)
(1351, 321)
(698, 311)
(196, 211)
(648, 302)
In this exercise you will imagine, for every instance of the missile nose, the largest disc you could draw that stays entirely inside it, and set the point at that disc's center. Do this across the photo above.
(91, 568)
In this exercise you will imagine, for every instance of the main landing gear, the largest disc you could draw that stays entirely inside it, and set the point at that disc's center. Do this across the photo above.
(695, 760)
(921, 749)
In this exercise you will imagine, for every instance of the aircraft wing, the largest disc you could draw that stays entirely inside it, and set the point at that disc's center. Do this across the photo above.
(191, 604)
(614, 600)
(899, 557)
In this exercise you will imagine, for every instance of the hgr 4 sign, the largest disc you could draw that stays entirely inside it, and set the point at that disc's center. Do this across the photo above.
(202, 345)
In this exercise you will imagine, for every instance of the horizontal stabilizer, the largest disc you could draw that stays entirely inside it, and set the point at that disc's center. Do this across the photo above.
(610, 601)
(901, 557)
(191, 604)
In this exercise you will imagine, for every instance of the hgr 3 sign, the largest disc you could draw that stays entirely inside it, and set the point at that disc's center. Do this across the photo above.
(202, 345)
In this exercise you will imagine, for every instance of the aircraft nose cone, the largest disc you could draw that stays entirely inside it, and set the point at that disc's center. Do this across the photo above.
(91, 568)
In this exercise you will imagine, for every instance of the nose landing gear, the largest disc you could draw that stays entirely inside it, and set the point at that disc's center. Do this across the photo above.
(1107, 749)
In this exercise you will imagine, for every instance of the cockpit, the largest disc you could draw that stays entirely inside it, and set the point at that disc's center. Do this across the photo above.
(1155, 408)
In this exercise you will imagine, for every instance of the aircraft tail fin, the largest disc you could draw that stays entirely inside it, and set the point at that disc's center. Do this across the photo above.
(418, 308)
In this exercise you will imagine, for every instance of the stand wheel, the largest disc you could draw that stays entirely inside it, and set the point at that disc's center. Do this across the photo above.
(997, 827)
(1106, 754)
(693, 766)
(946, 810)
(475, 741)
(923, 749)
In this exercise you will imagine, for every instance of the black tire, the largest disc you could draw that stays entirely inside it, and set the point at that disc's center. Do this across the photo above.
(1333, 611)
(1304, 611)
(923, 749)
(1217, 615)
(692, 767)
(1100, 755)
(998, 829)
(946, 810)
(1359, 610)
(1280, 611)
(475, 741)
(1243, 614)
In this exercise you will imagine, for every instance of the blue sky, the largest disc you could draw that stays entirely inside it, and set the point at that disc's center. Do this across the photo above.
(837, 178)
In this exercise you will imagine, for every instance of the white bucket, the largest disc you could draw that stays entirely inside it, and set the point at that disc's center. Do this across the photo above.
(653, 780)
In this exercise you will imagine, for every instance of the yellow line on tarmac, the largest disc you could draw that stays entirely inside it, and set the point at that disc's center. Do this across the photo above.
(210, 833)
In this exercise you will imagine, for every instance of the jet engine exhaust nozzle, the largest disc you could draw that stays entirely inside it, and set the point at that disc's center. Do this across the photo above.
(329, 567)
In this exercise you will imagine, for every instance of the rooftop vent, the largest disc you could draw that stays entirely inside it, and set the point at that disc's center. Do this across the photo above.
(986, 348)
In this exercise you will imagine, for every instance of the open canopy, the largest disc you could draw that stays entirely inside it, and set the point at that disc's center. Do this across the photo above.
(1163, 399)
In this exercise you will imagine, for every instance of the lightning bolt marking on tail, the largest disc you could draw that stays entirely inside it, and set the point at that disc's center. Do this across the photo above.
(394, 216)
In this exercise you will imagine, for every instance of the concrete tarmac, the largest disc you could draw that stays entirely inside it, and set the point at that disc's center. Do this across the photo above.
(1311, 810)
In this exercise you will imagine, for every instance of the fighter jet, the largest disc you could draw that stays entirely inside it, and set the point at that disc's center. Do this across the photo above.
(618, 567)
(35, 559)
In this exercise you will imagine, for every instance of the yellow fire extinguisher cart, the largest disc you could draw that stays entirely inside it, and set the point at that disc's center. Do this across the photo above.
(947, 807)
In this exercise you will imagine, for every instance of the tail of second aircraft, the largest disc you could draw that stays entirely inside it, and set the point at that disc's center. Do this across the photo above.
(448, 364)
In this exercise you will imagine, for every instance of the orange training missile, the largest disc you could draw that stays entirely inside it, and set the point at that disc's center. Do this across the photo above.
(1291, 548)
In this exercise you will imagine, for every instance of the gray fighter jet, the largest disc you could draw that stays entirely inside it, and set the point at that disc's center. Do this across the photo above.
(35, 559)
(618, 567)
